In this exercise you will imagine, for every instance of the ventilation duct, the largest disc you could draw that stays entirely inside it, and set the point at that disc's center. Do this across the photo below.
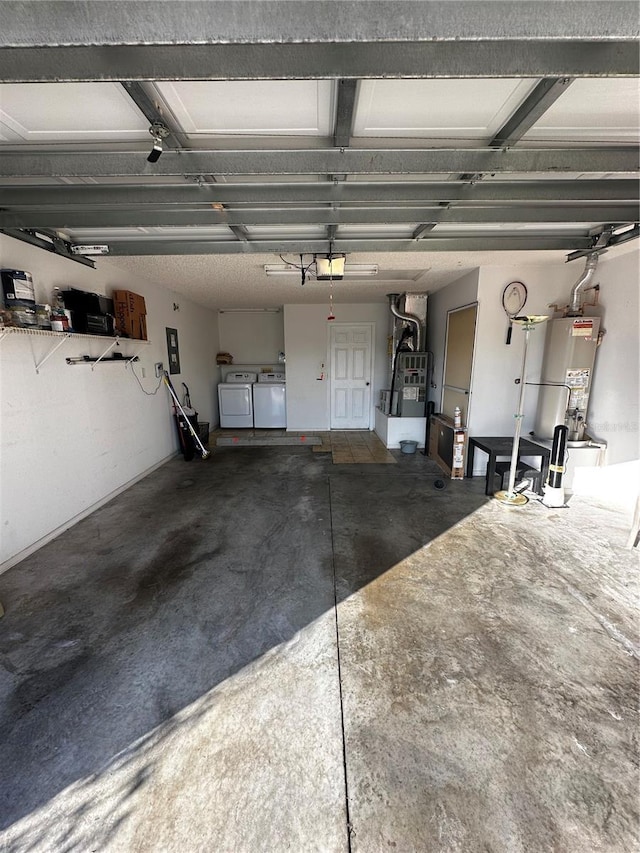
(575, 303)
(412, 320)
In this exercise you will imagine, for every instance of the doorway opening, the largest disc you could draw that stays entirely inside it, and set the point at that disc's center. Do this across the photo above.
(458, 361)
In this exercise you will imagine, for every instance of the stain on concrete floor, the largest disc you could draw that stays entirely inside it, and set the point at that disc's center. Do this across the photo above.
(169, 674)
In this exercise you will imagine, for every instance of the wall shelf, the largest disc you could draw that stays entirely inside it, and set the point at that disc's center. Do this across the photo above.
(63, 337)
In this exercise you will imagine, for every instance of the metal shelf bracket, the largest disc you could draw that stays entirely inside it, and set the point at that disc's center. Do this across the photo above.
(113, 344)
(133, 358)
(51, 351)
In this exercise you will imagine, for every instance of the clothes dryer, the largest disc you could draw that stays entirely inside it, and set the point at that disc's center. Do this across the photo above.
(235, 400)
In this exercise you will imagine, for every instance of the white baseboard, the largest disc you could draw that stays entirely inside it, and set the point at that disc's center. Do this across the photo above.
(44, 540)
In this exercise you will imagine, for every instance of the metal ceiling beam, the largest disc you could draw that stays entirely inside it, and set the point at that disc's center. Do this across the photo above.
(422, 230)
(47, 164)
(239, 233)
(424, 60)
(245, 39)
(151, 112)
(606, 191)
(108, 22)
(236, 219)
(618, 239)
(344, 112)
(49, 242)
(545, 93)
(613, 240)
(441, 244)
(531, 110)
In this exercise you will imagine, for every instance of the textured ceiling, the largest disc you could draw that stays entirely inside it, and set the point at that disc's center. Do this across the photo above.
(240, 281)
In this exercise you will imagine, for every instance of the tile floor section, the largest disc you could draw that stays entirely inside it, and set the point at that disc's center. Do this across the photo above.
(347, 447)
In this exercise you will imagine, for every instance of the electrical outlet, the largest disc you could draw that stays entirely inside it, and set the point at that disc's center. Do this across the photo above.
(159, 369)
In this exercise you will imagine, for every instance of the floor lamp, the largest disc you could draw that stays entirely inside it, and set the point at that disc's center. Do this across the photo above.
(510, 497)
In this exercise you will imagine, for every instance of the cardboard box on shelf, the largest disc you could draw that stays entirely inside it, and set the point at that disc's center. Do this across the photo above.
(131, 314)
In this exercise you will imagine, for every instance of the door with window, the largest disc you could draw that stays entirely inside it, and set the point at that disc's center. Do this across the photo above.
(350, 355)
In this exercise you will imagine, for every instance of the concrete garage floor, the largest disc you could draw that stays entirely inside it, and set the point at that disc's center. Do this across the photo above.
(175, 674)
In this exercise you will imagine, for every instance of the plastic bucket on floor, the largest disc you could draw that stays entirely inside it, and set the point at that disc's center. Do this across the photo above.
(408, 446)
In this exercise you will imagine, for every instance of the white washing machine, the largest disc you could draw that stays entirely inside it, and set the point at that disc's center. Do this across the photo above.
(235, 400)
(270, 401)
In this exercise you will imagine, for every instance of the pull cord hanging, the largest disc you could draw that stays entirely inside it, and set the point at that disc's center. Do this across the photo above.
(331, 316)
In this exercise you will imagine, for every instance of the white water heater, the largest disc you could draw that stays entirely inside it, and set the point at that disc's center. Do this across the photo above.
(567, 373)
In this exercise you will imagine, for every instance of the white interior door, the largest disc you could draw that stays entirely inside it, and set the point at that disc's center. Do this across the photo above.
(350, 374)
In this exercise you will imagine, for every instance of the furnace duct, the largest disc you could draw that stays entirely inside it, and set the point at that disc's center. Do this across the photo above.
(394, 299)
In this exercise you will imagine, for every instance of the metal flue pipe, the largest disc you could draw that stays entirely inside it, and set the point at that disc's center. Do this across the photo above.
(575, 306)
(407, 318)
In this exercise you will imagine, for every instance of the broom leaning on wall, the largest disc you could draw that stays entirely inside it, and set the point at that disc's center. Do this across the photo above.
(189, 438)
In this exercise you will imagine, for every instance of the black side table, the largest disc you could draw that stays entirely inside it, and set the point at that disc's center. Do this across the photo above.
(495, 446)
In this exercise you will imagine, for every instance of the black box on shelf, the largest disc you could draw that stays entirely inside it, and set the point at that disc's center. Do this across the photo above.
(91, 313)
(90, 303)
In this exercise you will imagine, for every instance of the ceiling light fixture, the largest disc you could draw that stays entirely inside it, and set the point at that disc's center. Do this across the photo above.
(158, 131)
(330, 267)
(349, 270)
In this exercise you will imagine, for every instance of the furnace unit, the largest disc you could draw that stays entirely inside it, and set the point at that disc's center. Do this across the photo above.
(411, 383)
(409, 363)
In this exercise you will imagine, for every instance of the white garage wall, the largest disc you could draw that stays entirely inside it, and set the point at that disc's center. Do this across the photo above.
(613, 410)
(306, 339)
(72, 437)
(252, 338)
(463, 291)
(496, 365)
